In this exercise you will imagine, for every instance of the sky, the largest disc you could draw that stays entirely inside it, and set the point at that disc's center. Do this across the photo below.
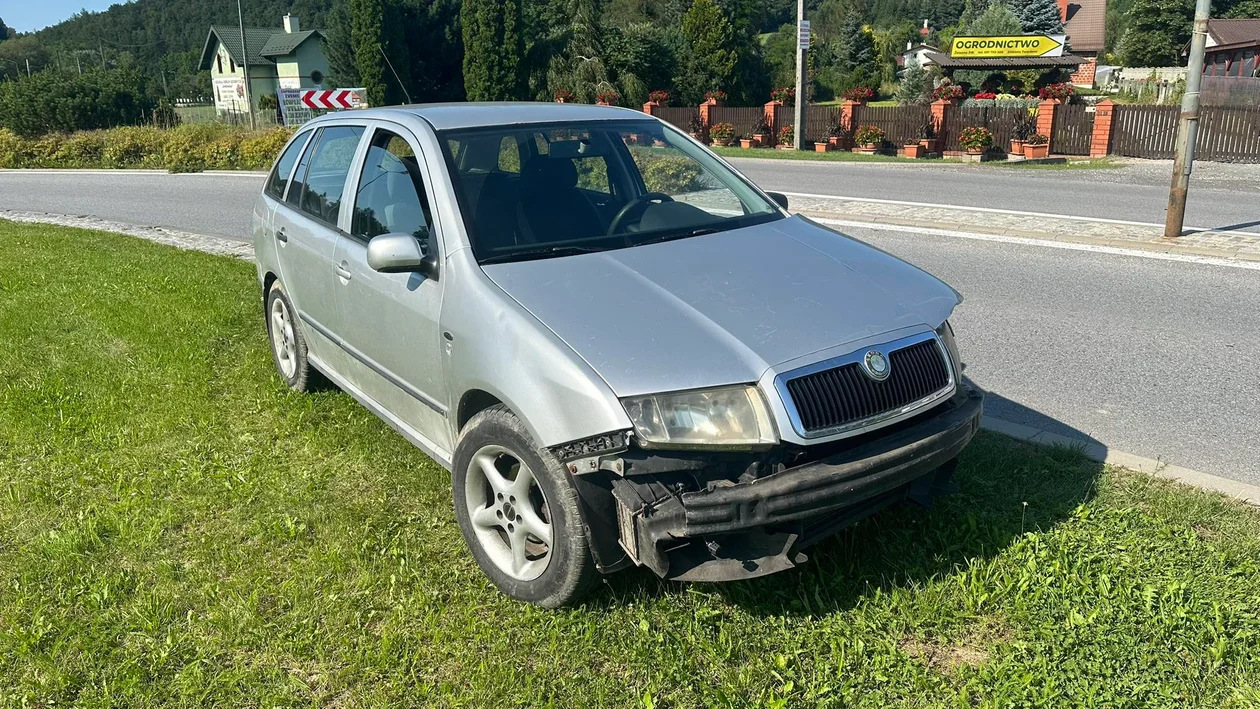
(29, 15)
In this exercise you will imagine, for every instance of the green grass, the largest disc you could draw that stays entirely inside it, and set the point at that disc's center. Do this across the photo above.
(177, 529)
(833, 156)
(1071, 164)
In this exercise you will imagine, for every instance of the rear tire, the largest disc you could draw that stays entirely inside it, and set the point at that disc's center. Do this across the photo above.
(288, 343)
(518, 512)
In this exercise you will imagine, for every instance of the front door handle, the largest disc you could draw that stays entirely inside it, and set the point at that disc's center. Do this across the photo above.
(343, 271)
(281, 236)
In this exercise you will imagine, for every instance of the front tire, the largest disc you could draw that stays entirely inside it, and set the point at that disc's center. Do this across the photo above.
(518, 512)
(288, 343)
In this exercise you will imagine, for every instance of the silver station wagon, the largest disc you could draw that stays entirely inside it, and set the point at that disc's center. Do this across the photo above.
(623, 350)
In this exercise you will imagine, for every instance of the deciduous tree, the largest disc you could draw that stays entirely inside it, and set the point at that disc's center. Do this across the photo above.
(1157, 31)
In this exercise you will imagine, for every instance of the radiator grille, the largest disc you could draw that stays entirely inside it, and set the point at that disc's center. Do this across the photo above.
(845, 395)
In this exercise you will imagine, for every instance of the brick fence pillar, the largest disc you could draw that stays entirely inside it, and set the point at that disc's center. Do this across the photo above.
(1104, 114)
(938, 115)
(706, 112)
(1045, 117)
(650, 108)
(773, 111)
(849, 115)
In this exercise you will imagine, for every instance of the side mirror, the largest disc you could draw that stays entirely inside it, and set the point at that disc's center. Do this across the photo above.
(401, 253)
(779, 198)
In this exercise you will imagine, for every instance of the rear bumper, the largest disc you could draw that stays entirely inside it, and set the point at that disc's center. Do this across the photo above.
(749, 529)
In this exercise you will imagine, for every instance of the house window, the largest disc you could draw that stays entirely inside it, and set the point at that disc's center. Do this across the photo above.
(232, 64)
(219, 60)
(1235, 64)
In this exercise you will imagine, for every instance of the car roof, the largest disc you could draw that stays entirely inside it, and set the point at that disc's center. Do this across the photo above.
(449, 116)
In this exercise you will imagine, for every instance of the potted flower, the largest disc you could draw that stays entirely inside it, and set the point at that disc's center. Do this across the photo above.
(761, 134)
(985, 96)
(913, 148)
(1036, 146)
(869, 139)
(975, 139)
(715, 97)
(606, 97)
(696, 128)
(659, 97)
(1063, 91)
(784, 95)
(948, 92)
(787, 135)
(838, 136)
(564, 96)
(748, 143)
(1022, 128)
(721, 134)
(928, 139)
(859, 94)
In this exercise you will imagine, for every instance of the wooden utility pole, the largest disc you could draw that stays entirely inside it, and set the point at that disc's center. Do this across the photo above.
(1188, 125)
(802, 45)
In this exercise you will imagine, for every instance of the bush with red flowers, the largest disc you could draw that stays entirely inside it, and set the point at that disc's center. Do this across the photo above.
(784, 95)
(715, 95)
(659, 96)
(786, 135)
(947, 92)
(985, 95)
(1063, 91)
(607, 96)
(564, 96)
(859, 93)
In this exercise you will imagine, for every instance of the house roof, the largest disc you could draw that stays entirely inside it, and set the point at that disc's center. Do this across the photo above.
(283, 43)
(1085, 22)
(945, 61)
(264, 43)
(1234, 31)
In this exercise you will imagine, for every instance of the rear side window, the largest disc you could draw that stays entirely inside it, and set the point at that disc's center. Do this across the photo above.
(320, 181)
(390, 198)
(283, 170)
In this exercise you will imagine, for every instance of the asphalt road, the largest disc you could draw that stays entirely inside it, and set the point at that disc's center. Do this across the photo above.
(1156, 358)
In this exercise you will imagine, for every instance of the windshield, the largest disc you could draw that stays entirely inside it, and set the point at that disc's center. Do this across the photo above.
(549, 190)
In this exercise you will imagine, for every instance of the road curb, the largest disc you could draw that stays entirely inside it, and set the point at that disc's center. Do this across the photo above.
(1240, 491)
(1160, 246)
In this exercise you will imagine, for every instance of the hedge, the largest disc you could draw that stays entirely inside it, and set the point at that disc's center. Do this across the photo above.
(189, 148)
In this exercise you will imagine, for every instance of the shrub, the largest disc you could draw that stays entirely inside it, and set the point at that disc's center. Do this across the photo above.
(715, 95)
(787, 134)
(133, 147)
(182, 149)
(82, 149)
(11, 149)
(55, 101)
(659, 96)
(869, 135)
(948, 92)
(1062, 91)
(859, 93)
(975, 138)
(722, 132)
(671, 175)
(784, 94)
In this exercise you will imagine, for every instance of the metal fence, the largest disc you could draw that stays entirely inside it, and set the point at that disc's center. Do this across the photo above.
(902, 125)
(1145, 131)
(743, 119)
(677, 116)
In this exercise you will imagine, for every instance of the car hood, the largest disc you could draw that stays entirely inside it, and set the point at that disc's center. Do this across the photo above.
(722, 308)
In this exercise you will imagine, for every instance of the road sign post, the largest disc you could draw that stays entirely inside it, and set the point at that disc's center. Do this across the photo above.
(298, 106)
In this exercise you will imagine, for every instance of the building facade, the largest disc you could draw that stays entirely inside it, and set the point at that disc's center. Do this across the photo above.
(280, 58)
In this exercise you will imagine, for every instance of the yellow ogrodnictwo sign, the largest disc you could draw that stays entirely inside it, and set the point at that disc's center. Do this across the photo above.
(1030, 45)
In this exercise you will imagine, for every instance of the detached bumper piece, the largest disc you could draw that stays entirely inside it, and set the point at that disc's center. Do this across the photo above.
(748, 529)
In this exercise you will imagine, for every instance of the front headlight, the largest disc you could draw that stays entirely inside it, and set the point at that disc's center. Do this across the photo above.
(728, 416)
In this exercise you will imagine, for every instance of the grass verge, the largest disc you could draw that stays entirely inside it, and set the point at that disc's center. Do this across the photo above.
(833, 156)
(177, 529)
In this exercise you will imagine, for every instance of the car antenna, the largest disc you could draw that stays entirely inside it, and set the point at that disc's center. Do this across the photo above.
(395, 73)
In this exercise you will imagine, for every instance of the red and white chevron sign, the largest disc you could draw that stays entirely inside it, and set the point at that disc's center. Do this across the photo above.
(335, 99)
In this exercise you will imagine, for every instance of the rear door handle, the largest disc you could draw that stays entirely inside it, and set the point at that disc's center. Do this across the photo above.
(281, 236)
(343, 271)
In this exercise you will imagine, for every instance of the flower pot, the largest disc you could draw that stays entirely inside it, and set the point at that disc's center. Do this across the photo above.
(914, 150)
(1017, 147)
(1032, 152)
(975, 151)
(747, 143)
(867, 149)
(761, 139)
(722, 143)
(822, 147)
(930, 145)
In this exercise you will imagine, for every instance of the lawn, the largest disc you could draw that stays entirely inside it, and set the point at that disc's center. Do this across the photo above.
(177, 529)
(833, 156)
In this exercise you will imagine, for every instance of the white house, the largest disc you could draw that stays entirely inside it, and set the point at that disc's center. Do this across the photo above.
(280, 58)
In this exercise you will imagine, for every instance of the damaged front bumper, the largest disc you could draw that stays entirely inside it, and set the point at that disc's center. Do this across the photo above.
(743, 528)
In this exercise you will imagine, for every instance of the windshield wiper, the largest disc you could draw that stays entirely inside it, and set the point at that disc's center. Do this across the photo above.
(677, 235)
(542, 253)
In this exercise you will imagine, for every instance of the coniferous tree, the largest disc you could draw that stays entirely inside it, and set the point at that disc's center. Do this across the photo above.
(1038, 16)
(910, 91)
(711, 56)
(367, 18)
(493, 49)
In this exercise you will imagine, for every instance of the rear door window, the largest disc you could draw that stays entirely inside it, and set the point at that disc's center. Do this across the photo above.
(324, 179)
(283, 169)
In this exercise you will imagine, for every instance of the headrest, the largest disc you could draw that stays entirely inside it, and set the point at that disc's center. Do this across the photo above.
(550, 172)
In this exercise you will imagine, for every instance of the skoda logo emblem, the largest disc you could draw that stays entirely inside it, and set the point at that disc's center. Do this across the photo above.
(876, 365)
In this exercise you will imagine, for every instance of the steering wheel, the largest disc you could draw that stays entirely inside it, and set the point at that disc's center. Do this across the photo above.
(637, 204)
